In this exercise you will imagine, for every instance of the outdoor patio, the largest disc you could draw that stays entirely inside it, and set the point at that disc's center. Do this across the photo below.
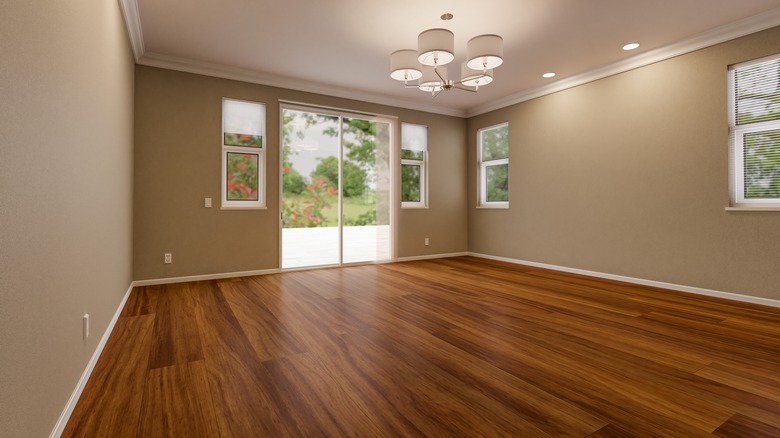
(303, 247)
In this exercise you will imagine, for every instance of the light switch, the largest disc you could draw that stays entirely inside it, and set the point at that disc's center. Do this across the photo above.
(207, 203)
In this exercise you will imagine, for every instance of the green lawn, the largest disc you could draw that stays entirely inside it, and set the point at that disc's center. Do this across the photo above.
(353, 207)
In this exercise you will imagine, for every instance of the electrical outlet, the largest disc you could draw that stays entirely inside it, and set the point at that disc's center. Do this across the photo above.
(168, 257)
(85, 325)
(427, 241)
(207, 202)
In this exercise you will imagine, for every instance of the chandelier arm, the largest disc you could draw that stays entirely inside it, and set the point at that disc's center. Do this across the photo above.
(436, 70)
(464, 88)
(483, 75)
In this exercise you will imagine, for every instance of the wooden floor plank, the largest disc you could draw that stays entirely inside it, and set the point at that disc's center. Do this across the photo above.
(178, 402)
(547, 412)
(176, 339)
(741, 426)
(269, 337)
(110, 404)
(449, 347)
(244, 397)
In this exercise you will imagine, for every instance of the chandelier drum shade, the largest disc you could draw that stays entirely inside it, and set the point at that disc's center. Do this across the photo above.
(400, 62)
(473, 77)
(485, 51)
(436, 47)
(435, 50)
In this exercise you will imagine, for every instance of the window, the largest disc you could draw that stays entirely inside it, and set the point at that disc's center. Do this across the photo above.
(243, 154)
(755, 133)
(414, 163)
(493, 172)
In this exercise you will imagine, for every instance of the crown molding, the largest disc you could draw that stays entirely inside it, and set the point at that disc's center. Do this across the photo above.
(133, 25)
(718, 35)
(222, 71)
(712, 37)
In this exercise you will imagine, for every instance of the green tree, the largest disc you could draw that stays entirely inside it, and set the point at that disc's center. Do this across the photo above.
(762, 164)
(354, 176)
(410, 183)
(498, 183)
(359, 141)
(293, 183)
(495, 146)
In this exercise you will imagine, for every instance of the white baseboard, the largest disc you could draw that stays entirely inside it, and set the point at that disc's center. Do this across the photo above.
(171, 280)
(59, 427)
(660, 284)
(432, 256)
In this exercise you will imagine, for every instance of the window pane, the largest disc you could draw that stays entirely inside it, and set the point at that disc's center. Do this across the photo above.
(758, 92)
(410, 183)
(495, 143)
(242, 176)
(412, 155)
(414, 137)
(497, 187)
(762, 164)
(243, 122)
(246, 140)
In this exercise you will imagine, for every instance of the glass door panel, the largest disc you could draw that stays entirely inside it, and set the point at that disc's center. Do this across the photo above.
(365, 190)
(336, 182)
(310, 189)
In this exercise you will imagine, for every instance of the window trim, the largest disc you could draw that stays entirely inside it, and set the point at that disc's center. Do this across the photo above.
(737, 200)
(260, 203)
(482, 166)
(423, 202)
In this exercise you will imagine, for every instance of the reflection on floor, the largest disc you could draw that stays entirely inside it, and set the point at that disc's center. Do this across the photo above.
(320, 246)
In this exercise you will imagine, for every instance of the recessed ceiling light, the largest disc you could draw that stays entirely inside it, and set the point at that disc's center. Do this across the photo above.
(548, 75)
(631, 46)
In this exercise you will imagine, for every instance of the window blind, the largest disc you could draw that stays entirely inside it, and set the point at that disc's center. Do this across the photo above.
(757, 92)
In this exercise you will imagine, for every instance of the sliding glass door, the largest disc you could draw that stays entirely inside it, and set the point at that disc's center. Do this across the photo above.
(336, 184)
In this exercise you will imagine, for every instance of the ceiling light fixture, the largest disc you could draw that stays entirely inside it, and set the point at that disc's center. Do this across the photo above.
(435, 49)
(548, 75)
(631, 46)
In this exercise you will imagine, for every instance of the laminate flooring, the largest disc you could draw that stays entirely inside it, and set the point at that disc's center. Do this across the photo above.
(449, 347)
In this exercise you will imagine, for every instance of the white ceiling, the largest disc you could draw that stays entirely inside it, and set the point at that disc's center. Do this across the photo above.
(342, 47)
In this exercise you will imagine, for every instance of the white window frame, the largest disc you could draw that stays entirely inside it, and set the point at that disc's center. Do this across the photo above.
(261, 159)
(482, 167)
(423, 164)
(737, 151)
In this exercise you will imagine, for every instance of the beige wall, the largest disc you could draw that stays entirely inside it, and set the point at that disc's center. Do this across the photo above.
(629, 175)
(177, 165)
(66, 127)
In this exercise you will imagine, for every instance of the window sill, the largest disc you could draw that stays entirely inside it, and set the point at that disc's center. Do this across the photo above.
(759, 209)
(414, 207)
(493, 207)
(243, 208)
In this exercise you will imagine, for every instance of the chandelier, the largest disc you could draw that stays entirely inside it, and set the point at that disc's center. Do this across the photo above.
(435, 49)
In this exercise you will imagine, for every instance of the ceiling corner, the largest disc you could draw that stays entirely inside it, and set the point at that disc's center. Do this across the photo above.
(133, 25)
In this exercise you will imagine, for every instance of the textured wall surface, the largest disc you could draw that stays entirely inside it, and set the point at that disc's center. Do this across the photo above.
(66, 160)
(628, 175)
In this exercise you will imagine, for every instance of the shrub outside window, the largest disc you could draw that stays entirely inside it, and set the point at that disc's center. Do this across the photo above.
(243, 154)
(493, 171)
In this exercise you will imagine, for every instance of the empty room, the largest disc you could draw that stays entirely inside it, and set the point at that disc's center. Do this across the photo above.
(510, 218)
